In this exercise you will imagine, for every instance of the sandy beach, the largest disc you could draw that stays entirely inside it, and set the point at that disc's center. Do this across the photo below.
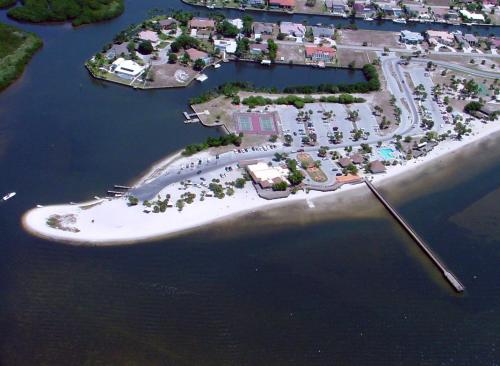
(113, 222)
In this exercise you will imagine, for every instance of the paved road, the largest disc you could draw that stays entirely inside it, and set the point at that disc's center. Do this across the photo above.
(467, 70)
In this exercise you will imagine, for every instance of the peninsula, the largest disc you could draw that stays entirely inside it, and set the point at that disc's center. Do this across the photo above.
(300, 143)
(17, 47)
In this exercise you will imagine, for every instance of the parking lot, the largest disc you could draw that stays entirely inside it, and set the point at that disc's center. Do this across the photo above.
(325, 119)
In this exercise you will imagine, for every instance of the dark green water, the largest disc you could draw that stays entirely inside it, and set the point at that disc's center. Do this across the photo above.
(335, 292)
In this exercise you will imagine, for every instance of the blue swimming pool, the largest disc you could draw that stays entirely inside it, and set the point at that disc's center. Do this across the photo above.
(386, 153)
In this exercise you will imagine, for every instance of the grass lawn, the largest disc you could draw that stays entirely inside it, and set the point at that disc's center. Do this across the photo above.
(16, 49)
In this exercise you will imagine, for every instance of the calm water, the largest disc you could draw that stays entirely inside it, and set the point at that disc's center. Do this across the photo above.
(343, 292)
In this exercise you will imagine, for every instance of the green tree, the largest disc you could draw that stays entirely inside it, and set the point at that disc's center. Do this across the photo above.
(172, 58)
(145, 48)
(272, 48)
(199, 64)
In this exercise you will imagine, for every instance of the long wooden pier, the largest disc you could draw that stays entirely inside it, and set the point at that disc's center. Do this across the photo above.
(448, 275)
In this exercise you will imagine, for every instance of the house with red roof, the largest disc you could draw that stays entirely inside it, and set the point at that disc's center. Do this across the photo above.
(282, 4)
(317, 53)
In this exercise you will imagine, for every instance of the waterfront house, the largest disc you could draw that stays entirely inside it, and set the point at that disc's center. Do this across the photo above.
(262, 29)
(258, 48)
(468, 16)
(195, 54)
(452, 16)
(322, 32)
(419, 11)
(126, 69)
(364, 9)
(117, 50)
(337, 7)
(376, 167)
(292, 29)
(471, 39)
(202, 23)
(392, 11)
(409, 37)
(225, 45)
(168, 24)
(345, 162)
(442, 37)
(255, 3)
(148, 35)
(495, 42)
(316, 54)
(282, 4)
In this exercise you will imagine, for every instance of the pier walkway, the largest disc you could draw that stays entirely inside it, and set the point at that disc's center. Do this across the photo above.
(448, 275)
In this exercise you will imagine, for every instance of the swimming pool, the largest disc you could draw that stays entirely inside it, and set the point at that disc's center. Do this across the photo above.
(386, 153)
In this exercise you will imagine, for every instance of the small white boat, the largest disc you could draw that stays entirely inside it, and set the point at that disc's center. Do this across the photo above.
(8, 196)
(265, 62)
(399, 20)
(202, 78)
(368, 19)
(216, 66)
(39, 206)
(97, 198)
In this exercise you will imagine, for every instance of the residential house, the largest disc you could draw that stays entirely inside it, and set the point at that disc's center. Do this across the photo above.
(238, 23)
(443, 37)
(337, 7)
(168, 24)
(409, 37)
(262, 29)
(317, 54)
(322, 32)
(418, 11)
(452, 16)
(255, 3)
(258, 48)
(471, 39)
(282, 4)
(202, 23)
(117, 50)
(148, 35)
(361, 8)
(476, 17)
(195, 54)
(392, 11)
(126, 69)
(292, 29)
(225, 45)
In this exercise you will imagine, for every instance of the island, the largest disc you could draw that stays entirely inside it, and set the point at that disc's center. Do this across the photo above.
(77, 11)
(17, 47)
(296, 144)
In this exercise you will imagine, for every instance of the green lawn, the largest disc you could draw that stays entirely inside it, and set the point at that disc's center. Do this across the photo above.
(78, 11)
(16, 49)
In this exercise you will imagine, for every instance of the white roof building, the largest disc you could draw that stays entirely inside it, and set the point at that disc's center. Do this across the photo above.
(238, 23)
(474, 16)
(227, 45)
(126, 68)
(407, 36)
(266, 175)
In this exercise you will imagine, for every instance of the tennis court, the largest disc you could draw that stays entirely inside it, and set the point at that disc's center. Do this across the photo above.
(256, 123)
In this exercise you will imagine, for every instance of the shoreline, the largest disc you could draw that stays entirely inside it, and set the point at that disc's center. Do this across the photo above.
(123, 225)
(329, 15)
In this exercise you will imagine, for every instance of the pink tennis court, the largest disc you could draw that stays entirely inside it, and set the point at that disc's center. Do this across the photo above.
(256, 123)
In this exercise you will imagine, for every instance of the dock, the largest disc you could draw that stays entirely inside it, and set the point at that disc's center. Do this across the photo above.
(448, 275)
(122, 187)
